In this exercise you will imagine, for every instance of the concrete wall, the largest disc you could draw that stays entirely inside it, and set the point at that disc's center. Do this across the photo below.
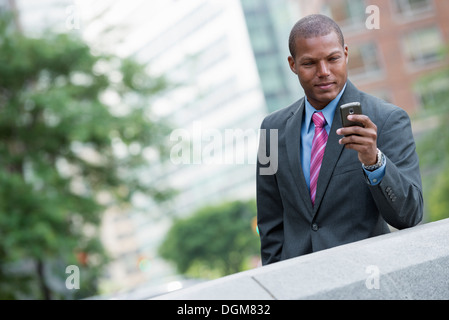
(406, 264)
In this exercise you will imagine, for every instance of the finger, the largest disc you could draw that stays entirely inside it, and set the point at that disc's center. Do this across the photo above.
(357, 130)
(370, 131)
(360, 148)
(346, 131)
(356, 140)
(363, 119)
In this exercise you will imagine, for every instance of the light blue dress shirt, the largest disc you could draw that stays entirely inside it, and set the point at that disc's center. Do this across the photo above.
(308, 131)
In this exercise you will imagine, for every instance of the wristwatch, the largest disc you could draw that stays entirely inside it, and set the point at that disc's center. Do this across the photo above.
(380, 162)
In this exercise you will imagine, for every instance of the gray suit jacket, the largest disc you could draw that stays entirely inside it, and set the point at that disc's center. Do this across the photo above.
(347, 208)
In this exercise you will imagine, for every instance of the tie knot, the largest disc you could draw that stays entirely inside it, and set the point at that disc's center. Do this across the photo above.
(318, 119)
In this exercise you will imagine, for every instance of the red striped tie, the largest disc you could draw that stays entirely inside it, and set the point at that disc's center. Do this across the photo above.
(318, 146)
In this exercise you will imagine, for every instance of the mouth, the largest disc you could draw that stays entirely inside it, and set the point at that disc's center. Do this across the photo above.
(325, 85)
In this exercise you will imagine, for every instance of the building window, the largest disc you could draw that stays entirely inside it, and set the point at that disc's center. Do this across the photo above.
(349, 14)
(422, 46)
(364, 60)
(410, 8)
(260, 41)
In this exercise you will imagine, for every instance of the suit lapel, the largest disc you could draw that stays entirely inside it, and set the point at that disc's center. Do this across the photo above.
(333, 148)
(293, 141)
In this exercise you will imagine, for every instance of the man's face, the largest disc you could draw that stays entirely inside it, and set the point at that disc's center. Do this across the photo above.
(320, 64)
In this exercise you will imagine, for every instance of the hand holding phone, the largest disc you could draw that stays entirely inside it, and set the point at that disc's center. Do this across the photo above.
(363, 139)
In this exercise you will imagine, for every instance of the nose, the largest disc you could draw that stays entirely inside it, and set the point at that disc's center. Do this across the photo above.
(323, 69)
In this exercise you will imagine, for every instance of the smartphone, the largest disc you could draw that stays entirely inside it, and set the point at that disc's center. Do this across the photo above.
(346, 110)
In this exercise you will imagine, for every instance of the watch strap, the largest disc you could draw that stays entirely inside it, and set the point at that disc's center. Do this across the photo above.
(378, 164)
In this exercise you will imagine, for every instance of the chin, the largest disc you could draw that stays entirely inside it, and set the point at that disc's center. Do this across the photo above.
(326, 97)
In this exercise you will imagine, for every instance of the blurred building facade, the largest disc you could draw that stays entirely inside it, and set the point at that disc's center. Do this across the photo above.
(269, 24)
(34, 17)
(388, 60)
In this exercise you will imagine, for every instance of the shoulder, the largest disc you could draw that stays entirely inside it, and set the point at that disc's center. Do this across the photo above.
(371, 105)
(278, 118)
(379, 109)
(385, 115)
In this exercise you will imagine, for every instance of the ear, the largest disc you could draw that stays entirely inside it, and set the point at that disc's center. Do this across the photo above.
(346, 53)
(291, 62)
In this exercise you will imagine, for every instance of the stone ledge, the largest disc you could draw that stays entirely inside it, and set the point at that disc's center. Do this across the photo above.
(406, 264)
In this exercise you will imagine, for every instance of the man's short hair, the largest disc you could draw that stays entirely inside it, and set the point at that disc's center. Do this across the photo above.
(314, 25)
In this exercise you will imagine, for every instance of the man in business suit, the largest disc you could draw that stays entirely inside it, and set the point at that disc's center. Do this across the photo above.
(369, 175)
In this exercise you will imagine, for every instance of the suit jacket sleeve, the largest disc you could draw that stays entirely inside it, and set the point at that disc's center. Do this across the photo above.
(399, 195)
(269, 205)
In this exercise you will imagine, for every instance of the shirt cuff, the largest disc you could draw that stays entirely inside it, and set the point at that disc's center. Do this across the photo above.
(375, 177)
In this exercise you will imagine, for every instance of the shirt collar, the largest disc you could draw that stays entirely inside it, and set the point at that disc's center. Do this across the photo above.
(328, 111)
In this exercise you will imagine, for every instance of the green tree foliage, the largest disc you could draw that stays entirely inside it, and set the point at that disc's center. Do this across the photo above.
(59, 165)
(433, 145)
(214, 241)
